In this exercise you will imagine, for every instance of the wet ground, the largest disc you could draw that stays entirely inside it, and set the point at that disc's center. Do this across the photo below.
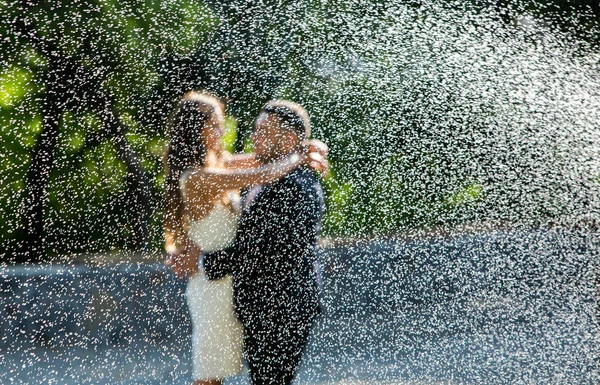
(509, 307)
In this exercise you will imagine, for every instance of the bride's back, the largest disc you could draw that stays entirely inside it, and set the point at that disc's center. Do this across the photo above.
(215, 228)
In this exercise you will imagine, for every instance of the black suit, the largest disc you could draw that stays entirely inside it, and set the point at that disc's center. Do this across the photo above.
(275, 292)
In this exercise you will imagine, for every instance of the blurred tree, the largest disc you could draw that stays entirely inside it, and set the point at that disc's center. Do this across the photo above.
(86, 87)
(101, 61)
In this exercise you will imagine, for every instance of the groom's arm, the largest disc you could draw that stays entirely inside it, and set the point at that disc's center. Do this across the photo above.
(220, 263)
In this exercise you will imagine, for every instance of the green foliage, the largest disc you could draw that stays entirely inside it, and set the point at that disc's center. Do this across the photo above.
(469, 193)
(403, 153)
(230, 134)
(123, 45)
(14, 85)
(337, 214)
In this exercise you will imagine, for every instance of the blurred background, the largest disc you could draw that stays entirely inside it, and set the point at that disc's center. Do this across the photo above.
(438, 115)
(460, 242)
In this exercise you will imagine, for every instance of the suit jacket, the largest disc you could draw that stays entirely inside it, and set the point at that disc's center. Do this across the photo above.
(272, 257)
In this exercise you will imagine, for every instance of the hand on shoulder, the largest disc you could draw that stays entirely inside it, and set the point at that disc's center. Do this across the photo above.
(316, 156)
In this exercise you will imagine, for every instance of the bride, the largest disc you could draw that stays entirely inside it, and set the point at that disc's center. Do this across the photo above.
(202, 211)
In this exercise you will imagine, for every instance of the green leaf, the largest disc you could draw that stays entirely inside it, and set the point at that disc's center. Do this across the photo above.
(14, 85)
(230, 134)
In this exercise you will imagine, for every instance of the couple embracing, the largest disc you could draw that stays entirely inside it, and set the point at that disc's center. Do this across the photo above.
(250, 260)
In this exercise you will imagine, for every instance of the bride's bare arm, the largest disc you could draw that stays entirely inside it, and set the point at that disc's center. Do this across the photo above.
(246, 161)
(174, 232)
(220, 179)
(240, 161)
(184, 260)
(173, 240)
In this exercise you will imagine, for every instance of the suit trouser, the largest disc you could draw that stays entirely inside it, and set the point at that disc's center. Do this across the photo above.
(274, 349)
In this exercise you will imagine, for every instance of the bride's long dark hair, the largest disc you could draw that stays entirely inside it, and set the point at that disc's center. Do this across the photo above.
(185, 150)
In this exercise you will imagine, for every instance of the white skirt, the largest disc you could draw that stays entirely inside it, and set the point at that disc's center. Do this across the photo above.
(216, 332)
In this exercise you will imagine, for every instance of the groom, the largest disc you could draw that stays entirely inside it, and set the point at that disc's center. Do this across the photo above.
(275, 291)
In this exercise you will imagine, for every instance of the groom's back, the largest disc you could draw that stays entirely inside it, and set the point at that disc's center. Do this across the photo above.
(279, 232)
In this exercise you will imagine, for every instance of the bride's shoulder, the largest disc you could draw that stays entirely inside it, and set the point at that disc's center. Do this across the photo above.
(194, 188)
(201, 176)
(226, 156)
(212, 165)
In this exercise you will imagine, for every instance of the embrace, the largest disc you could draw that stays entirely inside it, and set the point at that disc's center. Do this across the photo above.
(243, 230)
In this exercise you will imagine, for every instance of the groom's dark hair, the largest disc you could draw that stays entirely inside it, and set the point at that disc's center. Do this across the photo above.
(291, 115)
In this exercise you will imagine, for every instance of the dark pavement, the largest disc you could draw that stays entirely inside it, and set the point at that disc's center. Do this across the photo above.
(505, 307)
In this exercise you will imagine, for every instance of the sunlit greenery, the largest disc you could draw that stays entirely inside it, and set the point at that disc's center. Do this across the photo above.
(142, 55)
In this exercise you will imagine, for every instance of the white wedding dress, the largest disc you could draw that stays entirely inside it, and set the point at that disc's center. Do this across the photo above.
(216, 332)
